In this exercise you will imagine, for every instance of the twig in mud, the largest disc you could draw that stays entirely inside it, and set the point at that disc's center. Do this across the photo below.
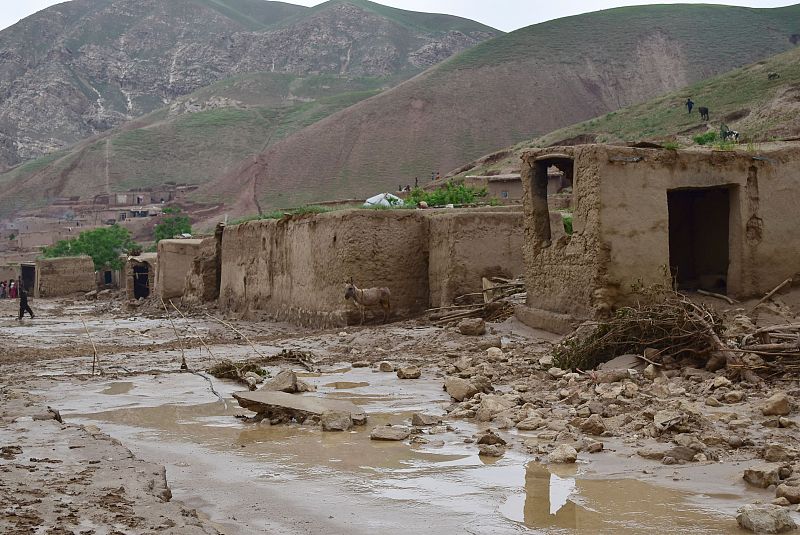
(718, 296)
(771, 293)
(193, 328)
(237, 331)
(94, 348)
(211, 386)
(184, 366)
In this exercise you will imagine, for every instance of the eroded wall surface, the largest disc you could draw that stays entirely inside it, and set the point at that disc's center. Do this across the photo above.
(56, 277)
(202, 281)
(175, 258)
(466, 246)
(296, 268)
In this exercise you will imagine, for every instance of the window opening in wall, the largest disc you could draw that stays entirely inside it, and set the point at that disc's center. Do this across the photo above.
(699, 248)
(504, 194)
(545, 172)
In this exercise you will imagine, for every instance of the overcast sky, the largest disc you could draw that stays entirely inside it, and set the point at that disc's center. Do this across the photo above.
(505, 15)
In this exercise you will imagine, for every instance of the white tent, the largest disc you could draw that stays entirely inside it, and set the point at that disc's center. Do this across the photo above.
(384, 199)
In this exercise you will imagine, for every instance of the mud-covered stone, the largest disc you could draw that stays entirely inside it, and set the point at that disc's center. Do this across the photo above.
(390, 433)
(765, 518)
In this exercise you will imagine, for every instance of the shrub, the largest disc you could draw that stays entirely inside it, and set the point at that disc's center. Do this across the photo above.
(705, 139)
(671, 145)
(567, 219)
(448, 194)
(172, 224)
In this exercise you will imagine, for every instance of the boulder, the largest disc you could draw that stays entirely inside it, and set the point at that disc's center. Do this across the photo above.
(390, 433)
(336, 421)
(489, 342)
(777, 405)
(361, 364)
(665, 419)
(459, 389)
(409, 372)
(530, 424)
(776, 453)
(285, 407)
(765, 518)
(385, 366)
(492, 439)
(594, 425)
(491, 406)
(488, 450)
(762, 476)
(287, 381)
(472, 326)
(624, 363)
(89, 296)
(420, 419)
(792, 494)
(681, 453)
(563, 453)
(494, 354)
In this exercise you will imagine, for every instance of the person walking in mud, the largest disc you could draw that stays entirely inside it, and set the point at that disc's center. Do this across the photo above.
(23, 303)
(689, 105)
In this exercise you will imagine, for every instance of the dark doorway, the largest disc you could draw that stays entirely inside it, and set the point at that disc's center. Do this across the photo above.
(141, 281)
(699, 249)
(28, 277)
(108, 277)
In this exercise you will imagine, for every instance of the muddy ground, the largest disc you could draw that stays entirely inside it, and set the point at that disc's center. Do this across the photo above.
(145, 447)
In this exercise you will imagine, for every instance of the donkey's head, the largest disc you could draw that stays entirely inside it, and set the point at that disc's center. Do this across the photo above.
(350, 290)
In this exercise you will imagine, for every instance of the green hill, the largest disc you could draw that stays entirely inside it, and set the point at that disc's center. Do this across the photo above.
(746, 100)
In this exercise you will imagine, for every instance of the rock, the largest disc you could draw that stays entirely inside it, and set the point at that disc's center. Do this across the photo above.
(286, 381)
(491, 450)
(105, 294)
(765, 518)
(778, 453)
(711, 401)
(385, 366)
(490, 406)
(546, 361)
(665, 419)
(595, 447)
(624, 363)
(783, 502)
(720, 382)
(360, 364)
(681, 453)
(700, 458)
(650, 372)
(89, 296)
(777, 405)
(492, 439)
(254, 376)
(459, 389)
(489, 342)
(609, 376)
(530, 424)
(285, 406)
(716, 362)
(653, 454)
(494, 354)
(762, 476)
(594, 425)
(563, 454)
(482, 383)
(390, 432)
(409, 372)
(336, 421)
(789, 492)
(420, 419)
(556, 372)
(472, 327)
(734, 396)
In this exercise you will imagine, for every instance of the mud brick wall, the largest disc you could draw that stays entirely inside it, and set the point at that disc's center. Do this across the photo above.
(175, 258)
(56, 277)
(202, 281)
(296, 268)
(466, 246)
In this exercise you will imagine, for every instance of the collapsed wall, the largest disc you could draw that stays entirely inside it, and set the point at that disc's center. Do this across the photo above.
(466, 246)
(203, 279)
(175, 259)
(56, 277)
(296, 268)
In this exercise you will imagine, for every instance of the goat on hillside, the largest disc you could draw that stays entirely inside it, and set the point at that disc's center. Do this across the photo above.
(369, 297)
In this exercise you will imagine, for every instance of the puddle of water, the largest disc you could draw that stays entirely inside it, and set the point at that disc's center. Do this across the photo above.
(556, 497)
(115, 389)
(344, 482)
(345, 385)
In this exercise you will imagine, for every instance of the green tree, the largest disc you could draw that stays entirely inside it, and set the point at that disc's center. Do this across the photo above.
(104, 245)
(172, 224)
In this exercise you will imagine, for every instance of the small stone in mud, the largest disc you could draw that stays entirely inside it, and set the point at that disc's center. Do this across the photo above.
(336, 421)
(459, 389)
(563, 454)
(783, 502)
(778, 453)
(390, 432)
(360, 364)
(734, 396)
(491, 341)
(765, 518)
(595, 447)
(594, 425)
(492, 439)
(556, 372)
(472, 327)
(762, 475)
(711, 401)
(386, 366)
(420, 419)
(488, 450)
(409, 372)
(777, 405)
(494, 354)
(789, 492)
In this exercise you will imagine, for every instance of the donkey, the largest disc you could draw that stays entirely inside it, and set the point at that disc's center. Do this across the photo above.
(704, 113)
(369, 297)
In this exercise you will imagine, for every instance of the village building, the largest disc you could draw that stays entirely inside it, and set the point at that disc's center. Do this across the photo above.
(721, 221)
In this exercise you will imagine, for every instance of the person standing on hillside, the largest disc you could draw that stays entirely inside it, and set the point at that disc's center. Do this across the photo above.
(23, 303)
(689, 104)
(12, 290)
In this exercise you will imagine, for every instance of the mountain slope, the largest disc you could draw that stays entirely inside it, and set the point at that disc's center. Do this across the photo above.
(506, 90)
(83, 67)
(746, 100)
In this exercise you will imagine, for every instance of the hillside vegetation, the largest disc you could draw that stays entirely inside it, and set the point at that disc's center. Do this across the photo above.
(745, 100)
(503, 91)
